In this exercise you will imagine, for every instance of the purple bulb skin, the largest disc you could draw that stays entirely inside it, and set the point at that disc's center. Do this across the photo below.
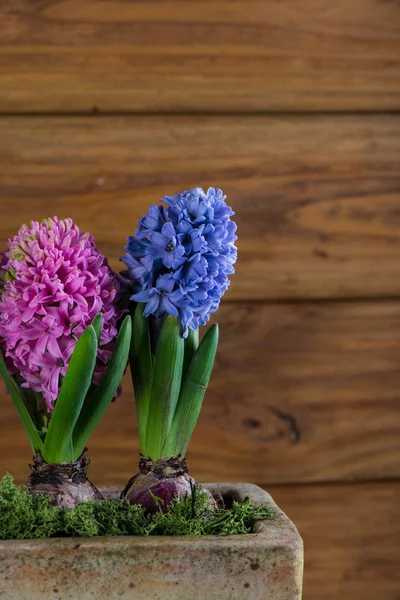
(66, 484)
(166, 479)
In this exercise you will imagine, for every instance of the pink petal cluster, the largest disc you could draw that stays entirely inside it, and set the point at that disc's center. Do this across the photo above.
(54, 282)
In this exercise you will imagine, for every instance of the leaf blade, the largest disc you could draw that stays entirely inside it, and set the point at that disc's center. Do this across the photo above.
(142, 369)
(191, 345)
(192, 394)
(31, 431)
(97, 325)
(165, 387)
(98, 402)
(58, 446)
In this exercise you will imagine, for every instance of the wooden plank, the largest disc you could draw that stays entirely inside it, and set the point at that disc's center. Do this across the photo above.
(351, 535)
(301, 392)
(215, 55)
(317, 198)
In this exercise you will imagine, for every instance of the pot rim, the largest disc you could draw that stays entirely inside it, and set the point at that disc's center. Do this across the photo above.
(278, 532)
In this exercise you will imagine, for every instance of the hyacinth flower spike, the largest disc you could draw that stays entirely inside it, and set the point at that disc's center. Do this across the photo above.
(178, 265)
(62, 357)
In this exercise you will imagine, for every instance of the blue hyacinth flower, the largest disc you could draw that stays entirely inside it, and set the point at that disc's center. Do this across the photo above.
(181, 256)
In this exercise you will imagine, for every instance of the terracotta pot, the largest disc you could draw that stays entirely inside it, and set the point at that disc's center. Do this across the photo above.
(265, 565)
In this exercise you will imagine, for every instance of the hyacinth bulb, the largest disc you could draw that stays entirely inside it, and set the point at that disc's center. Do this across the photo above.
(161, 482)
(53, 282)
(66, 484)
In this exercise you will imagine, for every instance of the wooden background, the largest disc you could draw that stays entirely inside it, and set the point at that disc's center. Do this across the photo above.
(291, 107)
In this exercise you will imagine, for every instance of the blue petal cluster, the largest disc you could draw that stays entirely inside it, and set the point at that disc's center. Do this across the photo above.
(181, 256)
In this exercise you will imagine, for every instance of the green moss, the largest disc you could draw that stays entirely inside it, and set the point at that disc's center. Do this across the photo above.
(23, 516)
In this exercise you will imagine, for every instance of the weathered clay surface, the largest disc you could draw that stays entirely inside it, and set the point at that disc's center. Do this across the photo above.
(266, 565)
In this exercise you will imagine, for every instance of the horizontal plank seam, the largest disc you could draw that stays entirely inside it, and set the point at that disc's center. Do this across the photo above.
(315, 300)
(270, 113)
(330, 483)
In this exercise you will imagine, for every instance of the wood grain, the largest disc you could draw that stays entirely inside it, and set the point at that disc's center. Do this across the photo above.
(301, 392)
(317, 198)
(351, 535)
(215, 55)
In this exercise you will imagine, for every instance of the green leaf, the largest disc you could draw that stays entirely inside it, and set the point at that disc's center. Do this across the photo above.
(191, 345)
(192, 394)
(97, 403)
(141, 363)
(29, 426)
(166, 386)
(97, 325)
(29, 398)
(58, 446)
(33, 402)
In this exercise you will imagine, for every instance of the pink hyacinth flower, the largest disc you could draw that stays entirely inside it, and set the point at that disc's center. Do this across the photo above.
(54, 282)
